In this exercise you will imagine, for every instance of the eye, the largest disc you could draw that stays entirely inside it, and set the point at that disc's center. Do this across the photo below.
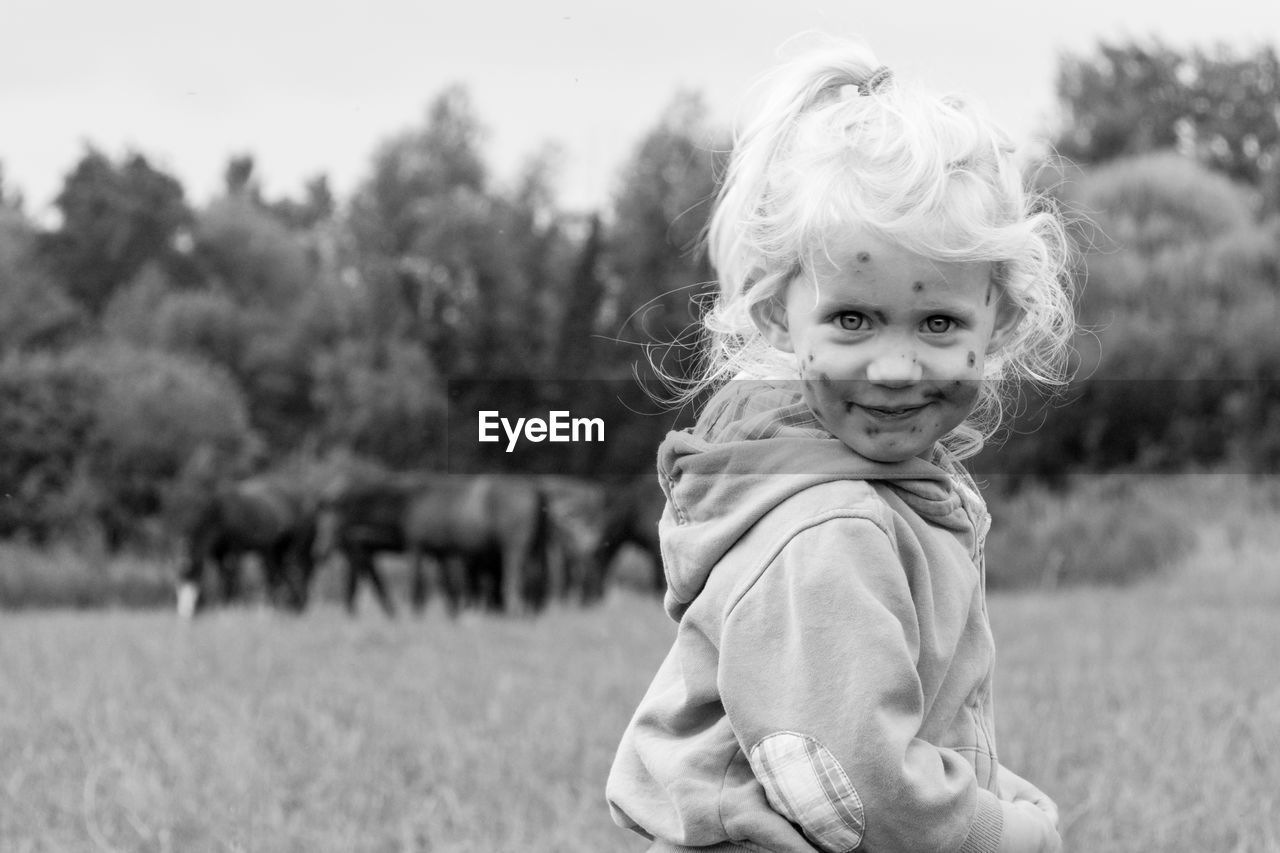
(851, 321)
(939, 325)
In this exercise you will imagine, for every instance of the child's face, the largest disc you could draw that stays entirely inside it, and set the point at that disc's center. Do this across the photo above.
(890, 344)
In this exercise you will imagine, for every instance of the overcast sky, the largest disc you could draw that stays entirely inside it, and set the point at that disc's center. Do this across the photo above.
(315, 86)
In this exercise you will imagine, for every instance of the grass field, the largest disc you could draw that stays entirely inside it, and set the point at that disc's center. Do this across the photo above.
(1151, 713)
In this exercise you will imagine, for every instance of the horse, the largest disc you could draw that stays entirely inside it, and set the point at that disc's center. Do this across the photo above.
(488, 534)
(271, 516)
(632, 509)
(576, 513)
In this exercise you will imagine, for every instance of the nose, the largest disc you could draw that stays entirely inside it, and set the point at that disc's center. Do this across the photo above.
(895, 367)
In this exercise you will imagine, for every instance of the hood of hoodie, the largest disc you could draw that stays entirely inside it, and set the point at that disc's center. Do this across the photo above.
(749, 454)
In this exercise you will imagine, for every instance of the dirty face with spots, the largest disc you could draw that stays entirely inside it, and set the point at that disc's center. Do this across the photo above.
(890, 344)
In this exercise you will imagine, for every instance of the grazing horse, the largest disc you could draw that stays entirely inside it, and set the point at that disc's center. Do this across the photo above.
(631, 514)
(487, 533)
(266, 515)
(576, 513)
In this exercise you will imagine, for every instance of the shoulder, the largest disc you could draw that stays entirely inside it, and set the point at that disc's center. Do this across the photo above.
(818, 504)
(829, 528)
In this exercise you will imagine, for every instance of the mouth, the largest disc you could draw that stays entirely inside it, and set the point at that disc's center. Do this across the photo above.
(887, 413)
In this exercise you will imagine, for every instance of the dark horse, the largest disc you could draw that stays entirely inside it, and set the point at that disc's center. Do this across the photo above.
(487, 533)
(632, 509)
(269, 516)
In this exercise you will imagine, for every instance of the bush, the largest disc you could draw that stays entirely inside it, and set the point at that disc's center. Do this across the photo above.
(1099, 531)
(156, 410)
(201, 324)
(101, 432)
(1163, 199)
(1177, 367)
(46, 418)
(268, 352)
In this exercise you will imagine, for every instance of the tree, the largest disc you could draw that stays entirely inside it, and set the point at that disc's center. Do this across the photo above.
(1179, 357)
(34, 310)
(102, 431)
(448, 262)
(317, 206)
(577, 350)
(387, 404)
(242, 248)
(430, 162)
(46, 418)
(545, 244)
(9, 199)
(116, 218)
(659, 214)
(239, 178)
(1216, 106)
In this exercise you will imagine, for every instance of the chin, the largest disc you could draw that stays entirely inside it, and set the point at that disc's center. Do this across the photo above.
(887, 455)
(889, 442)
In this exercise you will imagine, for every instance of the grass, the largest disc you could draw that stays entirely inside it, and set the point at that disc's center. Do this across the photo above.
(67, 576)
(250, 731)
(1102, 530)
(1150, 712)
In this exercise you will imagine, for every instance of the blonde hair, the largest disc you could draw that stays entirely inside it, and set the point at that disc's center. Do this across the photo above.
(834, 146)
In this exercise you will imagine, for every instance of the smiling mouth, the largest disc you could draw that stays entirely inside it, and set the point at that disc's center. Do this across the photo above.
(887, 412)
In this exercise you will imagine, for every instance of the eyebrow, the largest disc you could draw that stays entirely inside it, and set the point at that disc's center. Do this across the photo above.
(950, 307)
(933, 306)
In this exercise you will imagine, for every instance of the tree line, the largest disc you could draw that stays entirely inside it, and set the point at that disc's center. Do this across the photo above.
(149, 346)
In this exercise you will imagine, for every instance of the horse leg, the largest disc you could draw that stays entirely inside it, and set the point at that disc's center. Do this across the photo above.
(298, 568)
(558, 570)
(524, 559)
(189, 583)
(488, 585)
(188, 598)
(595, 577)
(455, 575)
(418, 592)
(273, 576)
(228, 563)
(353, 557)
(513, 580)
(370, 569)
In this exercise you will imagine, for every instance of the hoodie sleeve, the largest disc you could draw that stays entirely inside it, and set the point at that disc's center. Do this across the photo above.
(818, 678)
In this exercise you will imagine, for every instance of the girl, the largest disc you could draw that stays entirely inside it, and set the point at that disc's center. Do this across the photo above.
(881, 269)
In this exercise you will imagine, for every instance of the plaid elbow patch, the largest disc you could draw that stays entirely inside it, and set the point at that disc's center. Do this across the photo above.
(806, 784)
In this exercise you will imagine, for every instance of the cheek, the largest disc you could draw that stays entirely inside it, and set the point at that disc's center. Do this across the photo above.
(962, 393)
(958, 390)
(961, 362)
(818, 384)
(823, 394)
(820, 361)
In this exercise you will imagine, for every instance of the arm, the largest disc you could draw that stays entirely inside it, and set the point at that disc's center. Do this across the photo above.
(818, 678)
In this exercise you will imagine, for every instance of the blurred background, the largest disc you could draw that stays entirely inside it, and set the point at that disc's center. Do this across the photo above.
(290, 243)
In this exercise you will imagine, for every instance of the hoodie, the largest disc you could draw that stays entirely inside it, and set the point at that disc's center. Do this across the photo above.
(829, 687)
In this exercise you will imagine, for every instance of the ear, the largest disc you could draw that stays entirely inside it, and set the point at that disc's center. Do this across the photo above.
(770, 317)
(1008, 317)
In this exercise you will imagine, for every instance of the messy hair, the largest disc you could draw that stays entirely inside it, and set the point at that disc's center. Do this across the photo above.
(837, 144)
